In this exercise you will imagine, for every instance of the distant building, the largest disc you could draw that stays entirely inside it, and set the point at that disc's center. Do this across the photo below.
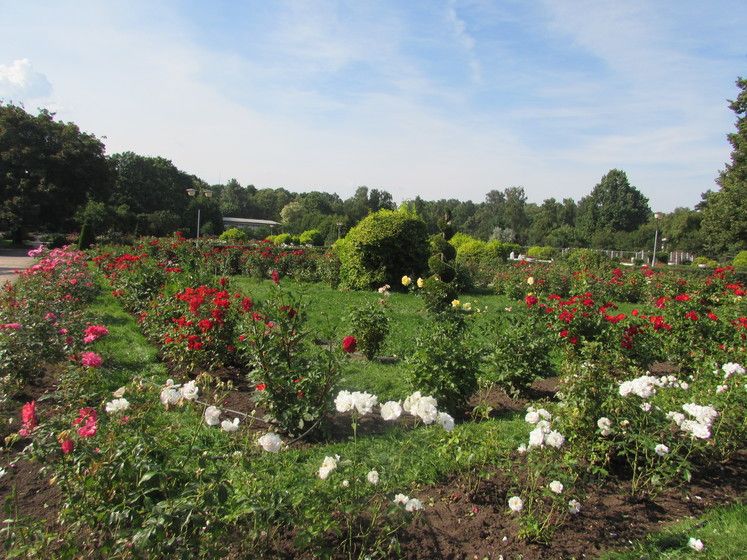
(248, 223)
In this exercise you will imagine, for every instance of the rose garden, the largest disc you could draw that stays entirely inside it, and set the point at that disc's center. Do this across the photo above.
(397, 395)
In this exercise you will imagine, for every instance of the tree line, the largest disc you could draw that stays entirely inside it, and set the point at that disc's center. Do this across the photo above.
(55, 178)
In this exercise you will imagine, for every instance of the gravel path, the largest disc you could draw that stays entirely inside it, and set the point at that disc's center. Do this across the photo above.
(12, 260)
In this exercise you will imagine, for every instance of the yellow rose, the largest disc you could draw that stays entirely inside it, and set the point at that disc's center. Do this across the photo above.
(421, 282)
(406, 280)
(467, 306)
(530, 280)
(456, 304)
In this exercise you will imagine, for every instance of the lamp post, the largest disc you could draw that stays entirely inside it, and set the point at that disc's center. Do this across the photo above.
(207, 193)
(658, 216)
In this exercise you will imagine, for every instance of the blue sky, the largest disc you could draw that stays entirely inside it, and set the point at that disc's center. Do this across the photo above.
(439, 99)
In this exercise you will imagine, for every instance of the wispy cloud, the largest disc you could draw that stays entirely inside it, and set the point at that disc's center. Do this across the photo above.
(467, 41)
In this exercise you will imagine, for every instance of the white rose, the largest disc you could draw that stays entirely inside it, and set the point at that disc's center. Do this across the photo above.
(212, 416)
(230, 425)
(270, 442)
(190, 390)
(390, 410)
(515, 504)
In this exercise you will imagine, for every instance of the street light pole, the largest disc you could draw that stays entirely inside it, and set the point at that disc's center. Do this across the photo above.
(207, 194)
(658, 216)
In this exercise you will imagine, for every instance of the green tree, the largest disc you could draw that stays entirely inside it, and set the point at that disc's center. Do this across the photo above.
(724, 225)
(48, 169)
(613, 205)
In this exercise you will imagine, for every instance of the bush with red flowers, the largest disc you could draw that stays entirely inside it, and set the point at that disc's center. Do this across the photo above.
(297, 378)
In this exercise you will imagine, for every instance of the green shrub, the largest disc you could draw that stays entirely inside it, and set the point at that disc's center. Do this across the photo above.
(580, 259)
(233, 235)
(520, 355)
(295, 379)
(312, 237)
(740, 261)
(459, 239)
(708, 263)
(381, 248)
(282, 239)
(544, 253)
(87, 237)
(437, 294)
(445, 364)
(370, 326)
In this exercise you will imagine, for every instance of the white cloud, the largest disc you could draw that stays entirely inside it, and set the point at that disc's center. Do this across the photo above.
(20, 82)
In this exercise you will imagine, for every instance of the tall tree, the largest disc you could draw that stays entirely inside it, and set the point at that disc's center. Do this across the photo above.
(725, 214)
(48, 170)
(613, 205)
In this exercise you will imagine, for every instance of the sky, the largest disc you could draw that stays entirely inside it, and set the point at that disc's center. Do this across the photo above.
(441, 99)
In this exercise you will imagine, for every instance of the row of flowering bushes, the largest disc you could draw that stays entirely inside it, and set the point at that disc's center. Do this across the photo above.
(610, 282)
(169, 256)
(41, 316)
(684, 329)
(199, 324)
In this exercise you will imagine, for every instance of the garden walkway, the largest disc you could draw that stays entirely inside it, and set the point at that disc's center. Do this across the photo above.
(12, 260)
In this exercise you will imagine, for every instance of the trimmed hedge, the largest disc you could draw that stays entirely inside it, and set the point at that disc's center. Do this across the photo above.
(383, 247)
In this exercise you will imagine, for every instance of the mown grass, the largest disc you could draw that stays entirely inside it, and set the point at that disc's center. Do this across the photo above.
(404, 457)
(721, 530)
(328, 311)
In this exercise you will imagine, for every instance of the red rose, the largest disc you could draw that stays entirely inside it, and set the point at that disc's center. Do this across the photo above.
(349, 344)
(67, 445)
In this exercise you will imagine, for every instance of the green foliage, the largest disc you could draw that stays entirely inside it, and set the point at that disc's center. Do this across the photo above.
(459, 239)
(311, 237)
(49, 170)
(580, 259)
(297, 379)
(740, 261)
(613, 205)
(519, 354)
(87, 237)
(704, 262)
(437, 295)
(370, 326)
(233, 235)
(444, 364)
(725, 214)
(281, 239)
(543, 253)
(381, 248)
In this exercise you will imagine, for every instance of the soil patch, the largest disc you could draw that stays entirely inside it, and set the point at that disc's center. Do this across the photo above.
(464, 521)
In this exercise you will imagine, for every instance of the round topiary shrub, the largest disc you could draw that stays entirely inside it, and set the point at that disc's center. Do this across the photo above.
(233, 235)
(543, 253)
(311, 237)
(383, 246)
(740, 261)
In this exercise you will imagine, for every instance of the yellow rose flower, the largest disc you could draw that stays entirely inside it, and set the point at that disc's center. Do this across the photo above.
(467, 306)
(420, 282)
(456, 304)
(406, 280)
(530, 280)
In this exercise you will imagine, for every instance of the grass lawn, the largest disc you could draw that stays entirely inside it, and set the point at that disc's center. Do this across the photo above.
(722, 532)
(328, 310)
